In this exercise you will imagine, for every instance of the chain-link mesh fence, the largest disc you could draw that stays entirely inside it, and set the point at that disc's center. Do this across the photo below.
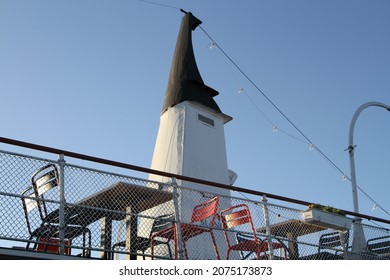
(55, 207)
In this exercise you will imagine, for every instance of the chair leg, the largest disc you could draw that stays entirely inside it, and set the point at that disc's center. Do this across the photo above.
(169, 250)
(175, 238)
(83, 250)
(185, 250)
(258, 252)
(285, 254)
(29, 242)
(152, 247)
(215, 245)
(87, 252)
(228, 254)
(87, 247)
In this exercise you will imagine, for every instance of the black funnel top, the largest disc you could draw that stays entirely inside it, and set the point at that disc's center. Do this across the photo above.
(185, 82)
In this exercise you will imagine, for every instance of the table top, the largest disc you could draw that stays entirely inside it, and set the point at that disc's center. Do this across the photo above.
(293, 227)
(113, 202)
(121, 195)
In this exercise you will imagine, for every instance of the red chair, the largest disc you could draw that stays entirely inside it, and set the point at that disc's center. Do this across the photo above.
(240, 215)
(201, 212)
(51, 245)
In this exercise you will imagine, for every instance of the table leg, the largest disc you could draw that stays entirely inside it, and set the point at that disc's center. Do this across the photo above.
(105, 238)
(131, 234)
(292, 246)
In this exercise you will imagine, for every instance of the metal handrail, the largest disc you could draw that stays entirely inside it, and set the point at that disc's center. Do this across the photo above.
(171, 175)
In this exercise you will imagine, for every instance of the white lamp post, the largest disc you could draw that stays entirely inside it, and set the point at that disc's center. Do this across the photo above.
(358, 243)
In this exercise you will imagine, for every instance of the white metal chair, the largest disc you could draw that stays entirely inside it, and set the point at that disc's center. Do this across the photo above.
(42, 225)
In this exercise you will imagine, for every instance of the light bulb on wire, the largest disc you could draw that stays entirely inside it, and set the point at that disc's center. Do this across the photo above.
(212, 45)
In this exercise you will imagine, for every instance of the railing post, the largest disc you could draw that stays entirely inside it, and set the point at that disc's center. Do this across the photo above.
(177, 219)
(61, 195)
(267, 227)
(344, 245)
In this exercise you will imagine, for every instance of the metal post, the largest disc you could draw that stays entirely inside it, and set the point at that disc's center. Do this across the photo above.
(344, 246)
(61, 195)
(358, 242)
(351, 149)
(177, 219)
(267, 227)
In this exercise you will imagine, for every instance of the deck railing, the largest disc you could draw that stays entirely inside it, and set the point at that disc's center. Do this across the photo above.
(128, 211)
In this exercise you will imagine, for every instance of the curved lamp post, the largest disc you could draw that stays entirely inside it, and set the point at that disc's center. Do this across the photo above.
(351, 149)
(358, 243)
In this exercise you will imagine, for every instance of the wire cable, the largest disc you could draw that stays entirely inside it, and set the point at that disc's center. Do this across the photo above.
(159, 4)
(274, 105)
(332, 163)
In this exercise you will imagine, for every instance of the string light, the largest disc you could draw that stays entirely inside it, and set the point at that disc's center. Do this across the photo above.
(212, 45)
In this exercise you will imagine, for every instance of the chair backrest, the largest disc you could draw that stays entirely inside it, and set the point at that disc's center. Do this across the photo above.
(379, 245)
(206, 210)
(162, 222)
(235, 216)
(29, 203)
(34, 207)
(43, 180)
(333, 240)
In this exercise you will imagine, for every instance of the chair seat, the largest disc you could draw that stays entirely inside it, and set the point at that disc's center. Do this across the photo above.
(187, 230)
(253, 246)
(48, 230)
(143, 243)
(51, 245)
(74, 216)
(250, 245)
(167, 233)
(322, 256)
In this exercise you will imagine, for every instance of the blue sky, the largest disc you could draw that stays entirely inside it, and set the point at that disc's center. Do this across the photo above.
(90, 77)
